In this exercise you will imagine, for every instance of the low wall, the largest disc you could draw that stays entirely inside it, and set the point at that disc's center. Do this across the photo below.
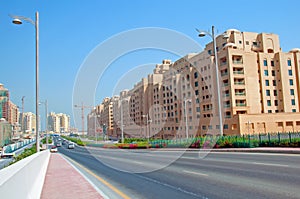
(25, 179)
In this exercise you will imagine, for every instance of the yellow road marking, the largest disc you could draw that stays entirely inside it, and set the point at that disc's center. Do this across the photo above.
(116, 190)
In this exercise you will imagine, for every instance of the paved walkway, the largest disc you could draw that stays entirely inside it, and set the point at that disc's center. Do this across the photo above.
(63, 181)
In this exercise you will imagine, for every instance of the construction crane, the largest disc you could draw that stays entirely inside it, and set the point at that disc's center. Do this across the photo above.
(82, 107)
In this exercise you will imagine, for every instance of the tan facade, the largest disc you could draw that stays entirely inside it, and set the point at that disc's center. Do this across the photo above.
(260, 88)
(29, 122)
(58, 122)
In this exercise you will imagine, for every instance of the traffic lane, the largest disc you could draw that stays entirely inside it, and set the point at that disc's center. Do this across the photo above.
(132, 184)
(254, 161)
(256, 158)
(255, 165)
(255, 179)
(228, 184)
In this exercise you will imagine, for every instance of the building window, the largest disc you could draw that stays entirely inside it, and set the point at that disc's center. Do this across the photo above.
(269, 111)
(292, 92)
(275, 92)
(266, 72)
(203, 127)
(273, 73)
(265, 62)
(196, 84)
(276, 102)
(274, 83)
(269, 102)
(225, 126)
(196, 92)
(289, 62)
(195, 75)
(267, 83)
(291, 82)
(290, 73)
(209, 126)
(293, 110)
(209, 52)
(293, 102)
(268, 92)
(272, 63)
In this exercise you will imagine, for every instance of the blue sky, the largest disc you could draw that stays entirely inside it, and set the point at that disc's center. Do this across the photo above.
(71, 29)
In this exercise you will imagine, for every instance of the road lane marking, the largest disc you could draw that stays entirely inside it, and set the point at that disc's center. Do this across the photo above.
(270, 164)
(194, 173)
(113, 188)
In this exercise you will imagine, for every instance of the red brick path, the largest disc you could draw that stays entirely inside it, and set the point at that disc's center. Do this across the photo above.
(63, 181)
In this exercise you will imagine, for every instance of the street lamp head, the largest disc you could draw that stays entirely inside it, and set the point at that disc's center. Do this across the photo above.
(17, 21)
(202, 34)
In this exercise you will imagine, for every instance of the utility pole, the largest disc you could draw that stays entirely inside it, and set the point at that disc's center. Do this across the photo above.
(82, 107)
(22, 124)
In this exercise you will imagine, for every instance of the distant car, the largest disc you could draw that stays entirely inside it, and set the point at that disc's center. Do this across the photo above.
(53, 149)
(71, 146)
(58, 144)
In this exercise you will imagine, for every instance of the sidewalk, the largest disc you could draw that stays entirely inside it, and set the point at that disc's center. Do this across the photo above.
(63, 181)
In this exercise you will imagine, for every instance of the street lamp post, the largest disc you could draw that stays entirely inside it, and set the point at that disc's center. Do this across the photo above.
(18, 20)
(46, 120)
(104, 131)
(122, 119)
(212, 35)
(96, 121)
(148, 122)
(122, 127)
(186, 122)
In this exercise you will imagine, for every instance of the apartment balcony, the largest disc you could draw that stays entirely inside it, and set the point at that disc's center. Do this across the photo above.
(241, 104)
(238, 72)
(225, 84)
(223, 63)
(239, 83)
(226, 106)
(207, 109)
(224, 74)
(226, 95)
(240, 94)
(237, 62)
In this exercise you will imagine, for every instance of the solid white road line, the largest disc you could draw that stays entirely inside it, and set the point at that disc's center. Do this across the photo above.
(194, 173)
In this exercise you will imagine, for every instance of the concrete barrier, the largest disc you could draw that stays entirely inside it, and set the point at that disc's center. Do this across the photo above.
(25, 179)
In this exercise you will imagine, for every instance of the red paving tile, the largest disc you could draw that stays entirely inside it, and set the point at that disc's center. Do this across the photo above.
(63, 181)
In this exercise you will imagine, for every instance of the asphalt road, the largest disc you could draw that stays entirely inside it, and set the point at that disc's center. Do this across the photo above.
(179, 174)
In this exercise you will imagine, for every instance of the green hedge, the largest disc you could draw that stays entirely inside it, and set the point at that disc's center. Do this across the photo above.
(27, 152)
(75, 140)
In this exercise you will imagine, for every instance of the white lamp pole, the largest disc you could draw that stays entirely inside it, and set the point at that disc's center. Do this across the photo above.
(212, 35)
(186, 122)
(17, 20)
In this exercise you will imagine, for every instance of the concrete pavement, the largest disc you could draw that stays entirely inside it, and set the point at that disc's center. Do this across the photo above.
(64, 181)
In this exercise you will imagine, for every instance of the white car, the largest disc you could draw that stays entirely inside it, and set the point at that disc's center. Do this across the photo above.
(53, 149)
(71, 146)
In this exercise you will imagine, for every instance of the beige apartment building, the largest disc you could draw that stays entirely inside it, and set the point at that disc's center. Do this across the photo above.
(58, 122)
(259, 91)
(29, 123)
